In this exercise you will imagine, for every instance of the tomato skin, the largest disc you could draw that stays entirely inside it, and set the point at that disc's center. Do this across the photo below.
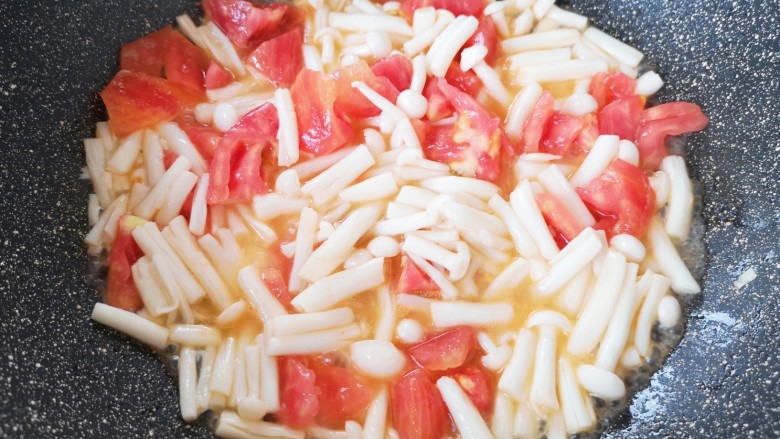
(135, 101)
(235, 171)
(534, 126)
(558, 218)
(486, 35)
(279, 59)
(560, 134)
(447, 350)
(344, 396)
(350, 102)
(185, 64)
(415, 281)
(298, 393)
(670, 119)
(147, 54)
(244, 22)
(121, 291)
(621, 117)
(476, 382)
(417, 408)
(623, 194)
(607, 87)
(397, 69)
(321, 130)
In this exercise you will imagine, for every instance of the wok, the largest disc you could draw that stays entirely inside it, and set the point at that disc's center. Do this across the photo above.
(63, 376)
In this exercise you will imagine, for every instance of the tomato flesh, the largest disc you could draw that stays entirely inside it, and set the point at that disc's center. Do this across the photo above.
(281, 58)
(607, 87)
(477, 384)
(560, 134)
(397, 69)
(185, 64)
(414, 281)
(477, 128)
(273, 278)
(205, 138)
(343, 395)
(235, 171)
(621, 196)
(564, 225)
(350, 101)
(136, 101)
(298, 393)
(418, 410)
(321, 130)
(217, 76)
(147, 54)
(444, 351)
(121, 291)
(661, 121)
(534, 126)
(486, 35)
(244, 22)
(621, 117)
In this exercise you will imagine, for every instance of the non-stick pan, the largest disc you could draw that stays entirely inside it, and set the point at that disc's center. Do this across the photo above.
(63, 376)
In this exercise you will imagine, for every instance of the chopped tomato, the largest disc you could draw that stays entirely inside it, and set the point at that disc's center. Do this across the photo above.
(476, 382)
(135, 101)
(344, 396)
(298, 393)
(281, 58)
(397, 68)
(670, 119)
(321, 130)
(350, 101)
(121, 291)
(477, 128)
(244, 22)
(588, 134)
(185, 64)
(438, 107)
(440, 147)
(560, 133)
(274, 281)
(621, 117)
(534, 126)
(486, 35)
(414, 281)
(409, 6)
(622, 194)
(204, 137)
(559, 218)
(444, 351)
(217, 76)
(418, 409)
(147, 54)
(466, 81)
(461, 7)
(235, 171)
(607, 87)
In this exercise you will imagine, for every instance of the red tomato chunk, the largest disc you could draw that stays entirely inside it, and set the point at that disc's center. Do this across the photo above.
(418, 409)
(121, 290)
(661, 121)
(235, 171)
(444, 351)
(622, 197)
(298, 393)
(321, 130)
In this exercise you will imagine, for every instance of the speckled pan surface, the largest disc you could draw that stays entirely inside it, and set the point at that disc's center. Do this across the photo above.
(63, 376)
